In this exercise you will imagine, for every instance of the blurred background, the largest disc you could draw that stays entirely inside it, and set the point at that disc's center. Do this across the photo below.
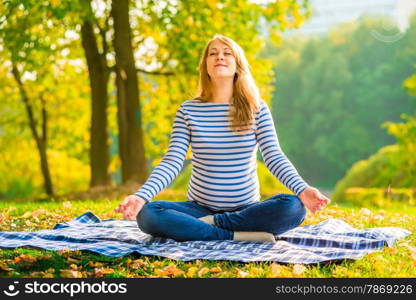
(89, 89)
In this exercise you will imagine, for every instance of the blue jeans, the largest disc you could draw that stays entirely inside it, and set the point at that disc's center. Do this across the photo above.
(179, 220)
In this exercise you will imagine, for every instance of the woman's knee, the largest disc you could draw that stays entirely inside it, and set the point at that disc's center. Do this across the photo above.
(147, 217)
(294, 206)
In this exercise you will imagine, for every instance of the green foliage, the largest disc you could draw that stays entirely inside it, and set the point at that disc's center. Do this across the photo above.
(378, 197)
(334, 92)
(391, 166)
(43, 39)
(20, 174)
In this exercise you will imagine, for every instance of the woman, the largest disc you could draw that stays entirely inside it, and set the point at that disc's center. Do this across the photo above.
(224, 124)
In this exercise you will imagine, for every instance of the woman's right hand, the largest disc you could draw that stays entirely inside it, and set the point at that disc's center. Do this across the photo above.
(130, 207)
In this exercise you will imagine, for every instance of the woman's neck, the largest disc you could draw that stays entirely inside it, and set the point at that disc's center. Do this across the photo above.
(222, 92)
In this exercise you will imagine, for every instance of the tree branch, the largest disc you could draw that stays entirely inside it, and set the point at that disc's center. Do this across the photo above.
(162, 73)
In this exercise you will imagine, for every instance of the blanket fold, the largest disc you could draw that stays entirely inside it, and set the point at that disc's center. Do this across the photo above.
(330, 240)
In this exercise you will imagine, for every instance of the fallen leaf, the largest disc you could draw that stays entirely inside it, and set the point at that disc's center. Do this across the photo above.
(27, 214)
(100, 272)
(241, 273)
(25, 259)
(38, 212)
(135, 264)
(67, 204)
(412, 251)
(171, 270)
(215, 270)
(203, 271)
(4, 267)
(255, 271)
(36, 274)
(275, 270)
(365, 211)
(298, 269)
(73, 260)
(95, 264)
(45, 257)
(156, 264)
(392, 250)
(191, 272)
(65, 273)
(10, 209)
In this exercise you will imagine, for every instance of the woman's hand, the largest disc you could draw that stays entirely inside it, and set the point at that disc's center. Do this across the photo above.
(313, 199)
(130, 207)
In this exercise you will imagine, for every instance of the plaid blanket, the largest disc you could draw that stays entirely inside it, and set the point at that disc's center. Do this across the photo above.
(330, 240)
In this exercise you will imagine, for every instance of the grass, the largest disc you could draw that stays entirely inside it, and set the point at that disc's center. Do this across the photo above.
(399, 261)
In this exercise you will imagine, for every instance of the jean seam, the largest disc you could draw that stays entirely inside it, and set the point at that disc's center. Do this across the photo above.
(216, 222)
(291, 226)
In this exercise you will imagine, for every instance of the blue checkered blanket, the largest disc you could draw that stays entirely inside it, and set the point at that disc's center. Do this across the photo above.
(330, 240)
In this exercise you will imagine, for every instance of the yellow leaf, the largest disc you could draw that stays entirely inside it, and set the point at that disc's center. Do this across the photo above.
(191, 272)
(25, 259)
(5, 267)
(65, 273)
(100, 272)
(275, 270)
(95, 264)
(203, 271)
(156, 264)
(38, 212)
(298, 269)
(241, 273)
(73, 260)
(170, 270)
(365, 211)
(27, 214)
(215, 270)
(135, 264)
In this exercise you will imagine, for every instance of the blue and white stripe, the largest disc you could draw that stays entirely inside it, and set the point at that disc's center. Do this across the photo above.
(224, 164)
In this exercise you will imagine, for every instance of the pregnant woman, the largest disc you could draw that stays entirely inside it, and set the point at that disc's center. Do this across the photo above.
(224, 124)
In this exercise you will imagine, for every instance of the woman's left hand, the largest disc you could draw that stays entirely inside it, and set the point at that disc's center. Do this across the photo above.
(313, 199)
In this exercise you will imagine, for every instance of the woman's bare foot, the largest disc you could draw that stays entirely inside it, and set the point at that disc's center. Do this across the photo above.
(130, 207)
(208, 219)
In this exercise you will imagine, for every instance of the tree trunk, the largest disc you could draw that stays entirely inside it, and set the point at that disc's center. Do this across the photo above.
(132, 155)
(40, 139)
(99, 76)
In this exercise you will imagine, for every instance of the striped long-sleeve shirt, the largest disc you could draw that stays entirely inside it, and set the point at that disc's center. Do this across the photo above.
(224, 165)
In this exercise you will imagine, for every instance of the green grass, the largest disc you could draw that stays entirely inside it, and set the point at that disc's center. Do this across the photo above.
(399, 261)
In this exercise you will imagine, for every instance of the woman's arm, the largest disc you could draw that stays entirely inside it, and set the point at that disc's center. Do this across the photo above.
(276, 161)
(172, 163)
(280, 166)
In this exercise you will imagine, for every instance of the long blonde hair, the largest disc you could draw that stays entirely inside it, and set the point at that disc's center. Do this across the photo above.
(246, 96)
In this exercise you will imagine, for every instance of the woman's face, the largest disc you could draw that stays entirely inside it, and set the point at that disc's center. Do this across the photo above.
(220, 61)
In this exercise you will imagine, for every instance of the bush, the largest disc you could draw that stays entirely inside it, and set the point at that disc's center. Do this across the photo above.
(21, 177)
(379, 197)
(381, 170)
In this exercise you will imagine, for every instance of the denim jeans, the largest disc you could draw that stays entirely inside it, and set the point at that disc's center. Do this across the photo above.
(179, 220)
